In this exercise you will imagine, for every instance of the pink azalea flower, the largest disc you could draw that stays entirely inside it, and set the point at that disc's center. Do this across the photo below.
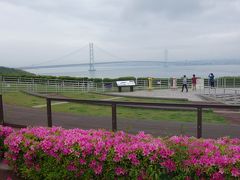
(120, 171)
(235, 172)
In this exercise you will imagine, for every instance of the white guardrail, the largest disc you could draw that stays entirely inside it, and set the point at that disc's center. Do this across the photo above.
(13, 84)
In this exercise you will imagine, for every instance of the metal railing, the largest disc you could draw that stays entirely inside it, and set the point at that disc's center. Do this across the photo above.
(13, 84)
(223, 95)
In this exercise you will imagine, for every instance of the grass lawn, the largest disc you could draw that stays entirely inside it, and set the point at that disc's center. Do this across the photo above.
(22, 99)
(138, 113)
(135, 113)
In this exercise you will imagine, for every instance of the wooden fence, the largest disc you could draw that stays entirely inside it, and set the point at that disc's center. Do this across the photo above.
(114, 104)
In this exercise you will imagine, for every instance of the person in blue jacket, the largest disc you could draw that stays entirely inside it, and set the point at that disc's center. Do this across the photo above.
(211, 80)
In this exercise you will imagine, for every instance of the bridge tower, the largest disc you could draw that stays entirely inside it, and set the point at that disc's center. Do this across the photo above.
(166, 57)
(91, 57)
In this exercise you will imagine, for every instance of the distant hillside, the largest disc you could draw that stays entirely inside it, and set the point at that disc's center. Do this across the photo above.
(14, 72)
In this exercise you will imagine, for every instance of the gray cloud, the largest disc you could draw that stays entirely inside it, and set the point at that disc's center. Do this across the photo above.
(170, 9)
(35, 31)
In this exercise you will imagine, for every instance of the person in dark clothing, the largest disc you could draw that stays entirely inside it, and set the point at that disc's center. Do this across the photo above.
(184, 83)
(211, 80)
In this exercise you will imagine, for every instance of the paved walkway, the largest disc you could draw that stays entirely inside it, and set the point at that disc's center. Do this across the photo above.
(53, 104)
(221, 91)
(230, 96)
(164, 93)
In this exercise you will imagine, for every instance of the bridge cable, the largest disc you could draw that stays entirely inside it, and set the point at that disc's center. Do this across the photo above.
(63, 56)
(110, 54)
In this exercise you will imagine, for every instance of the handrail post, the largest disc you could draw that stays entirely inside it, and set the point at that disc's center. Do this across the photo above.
(49, 112)
(199, 122)
(1, 110)
(114, 117)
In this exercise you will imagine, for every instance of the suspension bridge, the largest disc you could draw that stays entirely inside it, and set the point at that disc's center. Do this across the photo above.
(91, 59)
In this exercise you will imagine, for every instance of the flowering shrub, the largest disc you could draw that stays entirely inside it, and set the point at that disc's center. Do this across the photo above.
(56, 153)
(4, 132)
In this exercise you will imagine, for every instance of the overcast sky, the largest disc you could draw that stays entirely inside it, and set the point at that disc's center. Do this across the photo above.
(35, 31)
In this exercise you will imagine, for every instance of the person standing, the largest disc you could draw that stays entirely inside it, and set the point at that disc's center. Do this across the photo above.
(194, 82)
(211, 80)
(184, 83)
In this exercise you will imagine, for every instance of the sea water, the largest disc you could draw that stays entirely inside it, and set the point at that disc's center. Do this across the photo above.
(144, 69)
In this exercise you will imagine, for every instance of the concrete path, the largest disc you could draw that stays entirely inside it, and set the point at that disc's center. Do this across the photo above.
(164, 93)
(220, 91)
(53, 104)
(109, 99)
(230, 96)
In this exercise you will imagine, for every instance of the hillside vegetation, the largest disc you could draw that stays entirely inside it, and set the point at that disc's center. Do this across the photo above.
(4, 71)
